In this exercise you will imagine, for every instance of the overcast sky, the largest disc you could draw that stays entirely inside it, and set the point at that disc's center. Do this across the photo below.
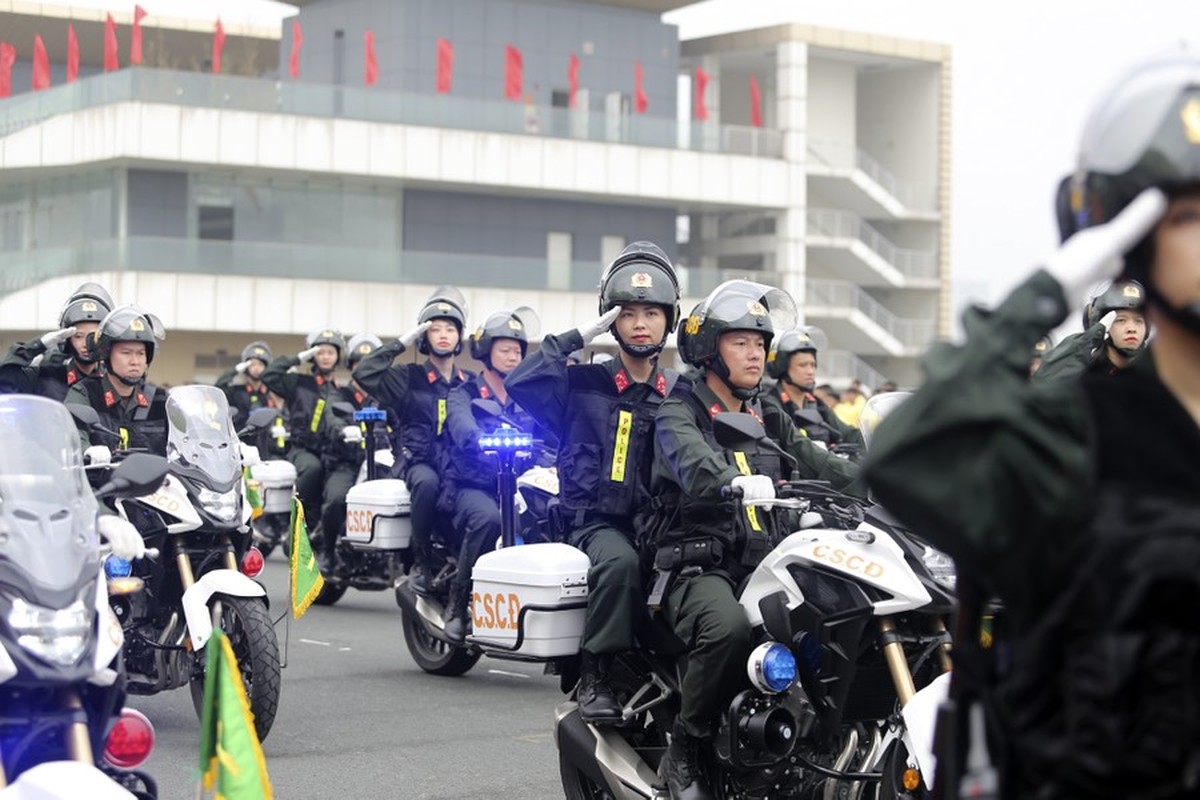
(1025, 73)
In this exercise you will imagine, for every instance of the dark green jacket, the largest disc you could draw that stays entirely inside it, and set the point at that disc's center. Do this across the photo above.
(792, 400)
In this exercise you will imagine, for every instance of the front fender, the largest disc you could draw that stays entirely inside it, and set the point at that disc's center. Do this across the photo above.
(920, 719)
(195, 600)
(64, 779)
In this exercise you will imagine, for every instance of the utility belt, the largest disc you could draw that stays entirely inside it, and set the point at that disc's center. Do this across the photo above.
(685, 558)
(563, 522)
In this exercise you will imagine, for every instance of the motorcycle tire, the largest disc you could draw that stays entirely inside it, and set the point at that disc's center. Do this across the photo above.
(266, 548)
(578, 785)
(330, 594)
(433, 655)
(248, 625)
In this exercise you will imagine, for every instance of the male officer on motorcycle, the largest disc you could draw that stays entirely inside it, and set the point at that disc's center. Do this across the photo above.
(603, 415)
(792, 362)
(308, 398)
(469, 487)
(691, 533)
(248, 393)
(52, 364)
(132, 411)
(1081, 517)
(416, 394)
(1114, 334)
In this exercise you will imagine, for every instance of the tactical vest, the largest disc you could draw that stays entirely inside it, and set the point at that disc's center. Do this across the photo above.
(472, 468)
(246, 399)
(423, 415)
(607, 446)
(308, 411)
(144, 426)
(795, 402)
(1103, 696)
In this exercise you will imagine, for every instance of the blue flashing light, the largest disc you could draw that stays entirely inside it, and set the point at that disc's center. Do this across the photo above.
(115, 567)
(505, 439)
(779, 667)
(370, 415)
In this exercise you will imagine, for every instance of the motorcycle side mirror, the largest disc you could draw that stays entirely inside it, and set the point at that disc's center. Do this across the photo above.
(735, 430)
(234, 413)
(138, 474)
(261, 418)
(84, 414)
(486, 410)
(810, 416)
(342, 409)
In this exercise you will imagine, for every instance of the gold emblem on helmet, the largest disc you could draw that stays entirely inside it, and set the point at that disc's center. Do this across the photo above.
(1041, 346)
(1191, 120)
(756, 308)
(327, 334)
(88, 305)
(136, 324)
(693, 325)
(364, 348)
(514, 324)
(1132, 291)
(641, 280)
(443, 306)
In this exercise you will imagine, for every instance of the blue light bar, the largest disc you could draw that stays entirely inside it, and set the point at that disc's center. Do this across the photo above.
(504, 439)
(115, 567)
(370, 415)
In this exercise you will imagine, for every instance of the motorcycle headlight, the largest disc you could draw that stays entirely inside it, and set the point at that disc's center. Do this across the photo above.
(225, 506)
(772, 667)
(58, 636)
(940, 566)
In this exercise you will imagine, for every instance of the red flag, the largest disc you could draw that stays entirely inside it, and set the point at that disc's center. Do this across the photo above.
(8, 56)
(135, 39)
(445, 65)
(755, 103)
(371, 69)
(218, 46)
(110, 44)
(573, 77)
(701, 85)
(513, 73)
(297, 43)
(41, 64)
(640, 103)
(72, 54)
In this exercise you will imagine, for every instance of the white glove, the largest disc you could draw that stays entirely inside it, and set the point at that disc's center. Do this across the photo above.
(279, 432)
(124, 539)
(1094, 254)
(97, 456)
(250, 455)
(352, 434)
(599, 325)
(53, 339)
(410, 338)
(754, 487)
(242, 366)
(307, 355)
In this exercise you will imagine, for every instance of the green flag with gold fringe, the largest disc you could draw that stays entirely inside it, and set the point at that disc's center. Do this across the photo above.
(231, 758)
(307, 581)
(253, 493)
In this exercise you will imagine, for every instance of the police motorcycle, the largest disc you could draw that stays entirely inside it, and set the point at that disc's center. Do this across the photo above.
(63, 729)
(199, 522)
(527, 494)
(851, 658)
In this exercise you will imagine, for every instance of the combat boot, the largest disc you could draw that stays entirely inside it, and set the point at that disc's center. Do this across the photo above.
(682, 767)
(597, 703)
(457, 619)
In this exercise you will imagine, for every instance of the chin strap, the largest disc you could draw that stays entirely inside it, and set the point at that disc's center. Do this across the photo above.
(123, 379)
(722, 371)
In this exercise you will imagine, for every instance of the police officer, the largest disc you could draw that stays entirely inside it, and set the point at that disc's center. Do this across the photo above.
(50, 365)
(416, 394)
(1115, 332)
(308, 398)
(469, 486)
(132, 411)
(248, 393)
(692, 533)
(1079, 514)
(792, 362)
(603, 415)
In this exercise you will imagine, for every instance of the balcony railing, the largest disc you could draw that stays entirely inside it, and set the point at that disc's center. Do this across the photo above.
(841, 294)
(203, 90)
(844, 225)
(846, 155)
(847, 365)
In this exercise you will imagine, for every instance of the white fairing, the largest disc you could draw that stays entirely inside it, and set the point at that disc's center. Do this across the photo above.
(172, 500)
(195, 600)
(920, 717)
(879, 563)
(543, 479)
(7, 668)
(58, 780)
(110, 638)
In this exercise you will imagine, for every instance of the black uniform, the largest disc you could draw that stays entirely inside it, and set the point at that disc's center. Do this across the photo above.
(791, 400)
(604, 421)
(308, 398)
(139, 421)
(52, 377)
(1083, 517)
(246, 398)
(692, 533)
(417, 396)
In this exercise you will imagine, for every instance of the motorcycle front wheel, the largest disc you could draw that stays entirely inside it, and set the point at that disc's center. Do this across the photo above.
(577, 785)
(248, 625)
(432, 654)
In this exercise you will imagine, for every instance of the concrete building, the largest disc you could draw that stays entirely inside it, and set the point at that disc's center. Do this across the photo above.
(258, 205)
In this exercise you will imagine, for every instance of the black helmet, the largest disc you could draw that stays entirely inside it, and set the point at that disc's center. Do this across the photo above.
(807, 339)
(259, 350)
(521, 324)
(361, 346)
(1115, 297)
(127, 324)
(326, 336)
(89, 303)
(1043, 346)
(642, 273)
(446, 302)
(1144, 133)
(738, 305)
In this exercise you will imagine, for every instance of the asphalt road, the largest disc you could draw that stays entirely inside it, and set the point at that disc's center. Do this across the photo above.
(358, 719)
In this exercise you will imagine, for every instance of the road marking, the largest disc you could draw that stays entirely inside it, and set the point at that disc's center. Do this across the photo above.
(509, 674)
(534, 738)
(314, 641)
(343, 649)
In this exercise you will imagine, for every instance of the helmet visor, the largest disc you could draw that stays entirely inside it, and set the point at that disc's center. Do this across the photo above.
(451, 295)
(734, 300)
(132, 319)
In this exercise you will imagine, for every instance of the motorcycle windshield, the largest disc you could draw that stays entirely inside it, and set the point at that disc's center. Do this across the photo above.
(876, 411)
(47, 509)
(201, 438)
